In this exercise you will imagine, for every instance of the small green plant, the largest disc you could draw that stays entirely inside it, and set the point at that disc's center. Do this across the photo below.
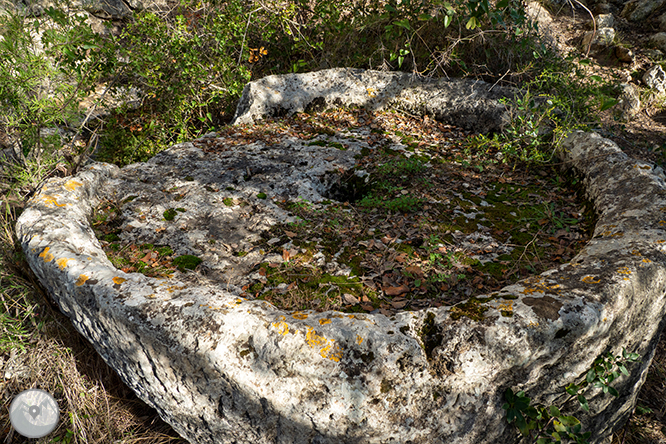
(186, 262)
(544, 425)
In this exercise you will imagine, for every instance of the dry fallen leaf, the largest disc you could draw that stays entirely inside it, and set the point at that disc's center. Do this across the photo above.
(349, 299)
(415, 270)
(289, 233)
(395, 291)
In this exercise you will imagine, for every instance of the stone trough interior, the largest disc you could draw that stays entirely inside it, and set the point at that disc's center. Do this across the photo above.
(221, 368)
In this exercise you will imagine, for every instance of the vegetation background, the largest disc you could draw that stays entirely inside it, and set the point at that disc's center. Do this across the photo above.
(70, 93)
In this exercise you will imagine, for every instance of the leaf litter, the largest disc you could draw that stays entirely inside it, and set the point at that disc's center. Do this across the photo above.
(436, 223)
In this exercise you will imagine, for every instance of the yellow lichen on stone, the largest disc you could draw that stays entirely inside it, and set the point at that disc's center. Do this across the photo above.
(282, 327)
(50, 200)
(506, 306)
(533, 324)
(371, 91)
(324, 321)
(662, 222)
(313, 339)
(329, 349)
(590, 280)
(623, 270)
(646, 260)
(62, 262)
(118, 280)
(299, 315)
(48, 257)
(635, 252)
(81, 280)
(359, 340)
(72, 184)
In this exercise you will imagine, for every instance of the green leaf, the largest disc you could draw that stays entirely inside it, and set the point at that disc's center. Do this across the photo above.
(590, 377)
(403, 24)
(554, 410)
(572, 389)
(613, 392)
(569, 421)
(583, 403)
(471, 23)
(447, 20)
(595, 78)
(425, 17)
(559, 427)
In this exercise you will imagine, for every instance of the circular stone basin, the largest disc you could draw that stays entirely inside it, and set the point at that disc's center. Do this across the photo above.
(221, 368)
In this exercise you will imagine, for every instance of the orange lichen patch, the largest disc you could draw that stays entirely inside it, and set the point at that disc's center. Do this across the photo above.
(623, 270)
(643, 167)
(324, 321)
(173, 288)
(541, 288)
(50, 200)
(533, 324)
(662, 222)
(281, 325)
(329, 349)
(661, 241)
(590, 280)
(371, 92)
(48, 257)
(299, 315)
(608, 231)
(72, 184)
(62, 262)
(635, 252)
(646, 260)
(81, 280)
(332, 352)
(359, 340)
(239, 301)
(118, 280)
(506, 306)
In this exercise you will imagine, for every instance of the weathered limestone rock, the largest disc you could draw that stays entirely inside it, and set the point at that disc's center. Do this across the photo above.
(624, 54)
(465, 103)
(655, 78)
(600, 39)
(658, 40)
(603, 21)
(662, 22)
(223, 369)
(540, 15)
(637, 10)
(630, 101)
